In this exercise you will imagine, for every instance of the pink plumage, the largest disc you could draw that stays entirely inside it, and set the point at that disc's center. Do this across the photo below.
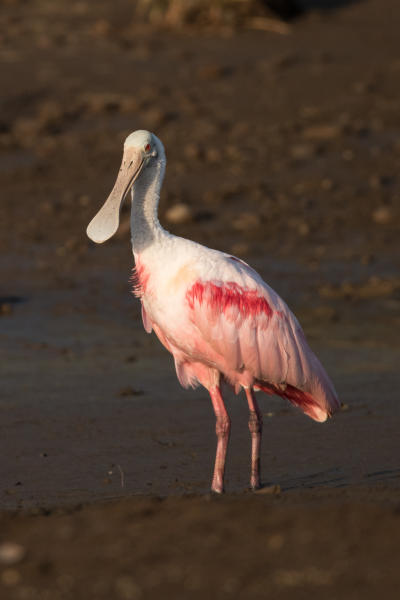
(221, 322)
(245, 332)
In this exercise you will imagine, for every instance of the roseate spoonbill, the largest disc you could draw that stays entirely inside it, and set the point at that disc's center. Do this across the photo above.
(221, 322)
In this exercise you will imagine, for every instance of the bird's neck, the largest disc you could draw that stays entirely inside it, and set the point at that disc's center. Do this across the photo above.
(145, 226)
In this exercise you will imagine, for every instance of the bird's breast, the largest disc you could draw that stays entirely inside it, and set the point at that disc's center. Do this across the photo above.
(182, 278)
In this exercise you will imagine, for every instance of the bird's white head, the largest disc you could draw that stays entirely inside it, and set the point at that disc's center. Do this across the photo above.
(142, 150)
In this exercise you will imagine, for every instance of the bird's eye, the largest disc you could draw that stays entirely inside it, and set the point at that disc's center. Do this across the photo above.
(147, 147)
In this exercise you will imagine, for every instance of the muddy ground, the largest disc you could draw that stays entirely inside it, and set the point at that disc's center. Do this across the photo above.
(284, 149)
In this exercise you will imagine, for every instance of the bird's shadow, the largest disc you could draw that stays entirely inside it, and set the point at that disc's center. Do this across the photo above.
(330, 477)
(384, 475)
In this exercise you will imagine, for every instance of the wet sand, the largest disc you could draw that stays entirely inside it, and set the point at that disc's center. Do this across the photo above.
(87, 397)
(285, 151)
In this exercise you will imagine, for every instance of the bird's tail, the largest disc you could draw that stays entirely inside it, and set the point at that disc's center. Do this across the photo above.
(319, 405)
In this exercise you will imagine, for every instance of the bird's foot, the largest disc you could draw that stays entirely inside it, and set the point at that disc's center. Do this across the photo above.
(255, 486)
(255, 483)
(217, 489)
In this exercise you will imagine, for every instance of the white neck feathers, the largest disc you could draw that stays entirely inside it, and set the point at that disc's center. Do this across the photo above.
(145, 226)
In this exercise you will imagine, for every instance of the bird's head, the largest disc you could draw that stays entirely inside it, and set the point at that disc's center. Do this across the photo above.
(141, 151)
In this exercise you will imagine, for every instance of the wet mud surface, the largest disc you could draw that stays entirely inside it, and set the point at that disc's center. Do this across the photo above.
(284, 150)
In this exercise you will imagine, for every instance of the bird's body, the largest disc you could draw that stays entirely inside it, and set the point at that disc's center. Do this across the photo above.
(221, 322)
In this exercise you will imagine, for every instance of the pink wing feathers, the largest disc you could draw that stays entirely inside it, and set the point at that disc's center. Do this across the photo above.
(259, 340)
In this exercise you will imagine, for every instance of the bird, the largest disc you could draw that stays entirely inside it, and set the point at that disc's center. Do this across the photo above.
(223, 325)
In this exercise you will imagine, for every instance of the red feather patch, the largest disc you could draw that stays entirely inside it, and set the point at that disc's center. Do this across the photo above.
(140, 278)
(297, 397)
(229, 295)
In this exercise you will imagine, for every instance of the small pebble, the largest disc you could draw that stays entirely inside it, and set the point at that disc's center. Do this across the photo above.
(240, 249)
(327, 185)
(101, 28)
(382, 215)
(179, 213)
(303, 228)
(246, 221)
(192, 151)
(322, 132)
(275, 541)
(11, 553)
(5, 308)
(84, 200)
(270, 489)
(211, 72)
(156, 117)
(10, 577)
(213, 155)
(302, 151)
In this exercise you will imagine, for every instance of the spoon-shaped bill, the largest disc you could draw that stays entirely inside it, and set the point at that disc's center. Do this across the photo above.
(105, 223)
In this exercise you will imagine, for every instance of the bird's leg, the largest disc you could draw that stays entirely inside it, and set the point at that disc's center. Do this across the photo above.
(222, 429)
(255, 426)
